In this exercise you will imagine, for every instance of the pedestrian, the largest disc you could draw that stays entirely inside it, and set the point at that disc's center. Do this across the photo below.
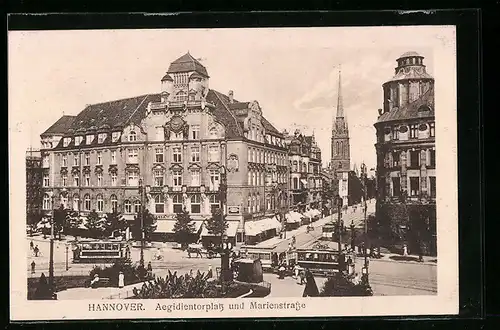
(210, 271)
(405, 250)
(121, 280)
(296, 271)
(311, 289)
(356, 279)
(95, 281)
(150, 270)
(36, 250)
(33, 267)
(302, 276)
(31, 245)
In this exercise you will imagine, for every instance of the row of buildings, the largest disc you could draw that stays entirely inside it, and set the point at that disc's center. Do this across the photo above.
(176, 145)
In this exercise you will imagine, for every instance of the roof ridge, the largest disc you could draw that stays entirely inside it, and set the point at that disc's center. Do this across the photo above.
(116, 100)
(228, 110)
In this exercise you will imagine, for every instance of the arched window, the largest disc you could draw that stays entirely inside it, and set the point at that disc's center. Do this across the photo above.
(114, 203)
(195, 204)
(64, 200)
(127, 206)
(137, 206)
(100, 203)
(86, 201)
(337, 151)
(132, 136)
(214, 203)
(341, 150)
(295, 183)
(159, 203)
(46, 202)
(76, 202)
(177, 203)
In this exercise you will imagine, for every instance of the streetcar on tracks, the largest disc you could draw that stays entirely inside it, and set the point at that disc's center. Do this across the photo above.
(95, 251)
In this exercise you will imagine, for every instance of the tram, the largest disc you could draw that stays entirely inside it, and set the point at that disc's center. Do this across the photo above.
(100, 251)
(328, 230)
(325, 259)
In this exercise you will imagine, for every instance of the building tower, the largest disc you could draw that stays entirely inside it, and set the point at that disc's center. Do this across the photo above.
(340, 164)
(340, 137)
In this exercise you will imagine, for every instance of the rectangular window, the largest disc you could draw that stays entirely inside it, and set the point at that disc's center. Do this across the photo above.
(115, 136)
(195, 132)
(100, 205)
(214, 203)
(214, 180)
(396, 187)
(113, 157)
(133, 156)
(432, 158)
(177, 203)
(137, 207)
(432, 181)
(414, 186)
(159, 155)
(414, 158)
(432, 129)
(99, 158)
(64, 161)
(133, 178)
(158, 175)
(87, 180)
(195, 204)
(213, 154)
(413, 131)
(114, 179)
(46, 181)
(76, 181)
(195, 154)
(395, 158)
(177, 178)
(195, 178)
(87, 159)
(78, 140)
(176, 136)
(89, 139)
(64, 180)
(395, 133)
(99, 179)
(159, 203)
(176, 155)
(76, 160)
(87, 204)
(66, 142)
(101, 137)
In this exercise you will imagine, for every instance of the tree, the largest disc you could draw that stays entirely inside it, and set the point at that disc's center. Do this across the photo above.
(183, 228)
(217, 224)
(94, 225)
(33, 218)
(114, 223)
(339, 285)
(73, 222)
(148, 223)
(59, 220)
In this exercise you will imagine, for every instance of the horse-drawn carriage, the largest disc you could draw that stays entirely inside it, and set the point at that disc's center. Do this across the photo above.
(200, 251)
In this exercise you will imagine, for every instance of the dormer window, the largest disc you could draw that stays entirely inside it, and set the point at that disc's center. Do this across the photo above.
(66, 142)
(181, 96)
(89, 139)
(78, 140)
(101, 137)
(115, 136)
(132, 136)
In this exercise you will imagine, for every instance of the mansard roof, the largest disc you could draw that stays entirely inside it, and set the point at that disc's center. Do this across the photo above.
(60, 127)
(423, 107)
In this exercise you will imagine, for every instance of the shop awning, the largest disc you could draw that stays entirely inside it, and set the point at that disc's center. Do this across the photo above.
(167, 226)
(293, 217)
(230, 230)
(253, 228)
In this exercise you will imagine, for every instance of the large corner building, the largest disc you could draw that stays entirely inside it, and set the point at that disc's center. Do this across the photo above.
(175, 144)
(406, 156)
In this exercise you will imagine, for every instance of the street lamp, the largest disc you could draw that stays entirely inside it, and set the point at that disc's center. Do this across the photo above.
(141, 215)
(363, 173)
(51, 251)
(226, 273)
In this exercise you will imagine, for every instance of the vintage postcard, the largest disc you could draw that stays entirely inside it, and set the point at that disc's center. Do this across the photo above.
(225, 173)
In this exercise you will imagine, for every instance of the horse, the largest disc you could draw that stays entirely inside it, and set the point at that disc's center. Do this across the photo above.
(195, 250)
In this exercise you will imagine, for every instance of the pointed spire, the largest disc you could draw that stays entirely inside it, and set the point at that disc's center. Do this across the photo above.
(340, 105)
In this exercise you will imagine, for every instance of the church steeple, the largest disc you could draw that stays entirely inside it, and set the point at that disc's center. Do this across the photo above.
(340, 135)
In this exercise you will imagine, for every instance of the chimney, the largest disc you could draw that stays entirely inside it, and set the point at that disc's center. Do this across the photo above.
(231, 94)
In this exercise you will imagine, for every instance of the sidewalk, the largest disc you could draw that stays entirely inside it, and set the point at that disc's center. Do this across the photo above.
(392, 257)
(98, 293)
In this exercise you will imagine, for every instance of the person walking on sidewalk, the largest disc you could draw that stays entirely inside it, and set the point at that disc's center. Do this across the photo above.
(33, 267)
(36, 250)
(150, 270)
(31, 245)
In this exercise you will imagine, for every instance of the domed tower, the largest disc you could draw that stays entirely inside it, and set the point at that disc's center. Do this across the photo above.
(409, 83)
(186, 80)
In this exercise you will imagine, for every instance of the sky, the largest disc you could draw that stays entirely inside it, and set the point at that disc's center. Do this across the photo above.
(292, 72)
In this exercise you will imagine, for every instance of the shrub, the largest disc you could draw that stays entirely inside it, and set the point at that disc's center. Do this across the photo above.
(131, 273)
(340, 286)
(43, 291)
(174, 286)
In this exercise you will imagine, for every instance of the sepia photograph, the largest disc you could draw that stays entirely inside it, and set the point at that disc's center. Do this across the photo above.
(266, 172)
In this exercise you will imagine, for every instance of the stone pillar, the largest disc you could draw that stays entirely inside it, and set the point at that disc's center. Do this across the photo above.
(423, 172)
(403, 162)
